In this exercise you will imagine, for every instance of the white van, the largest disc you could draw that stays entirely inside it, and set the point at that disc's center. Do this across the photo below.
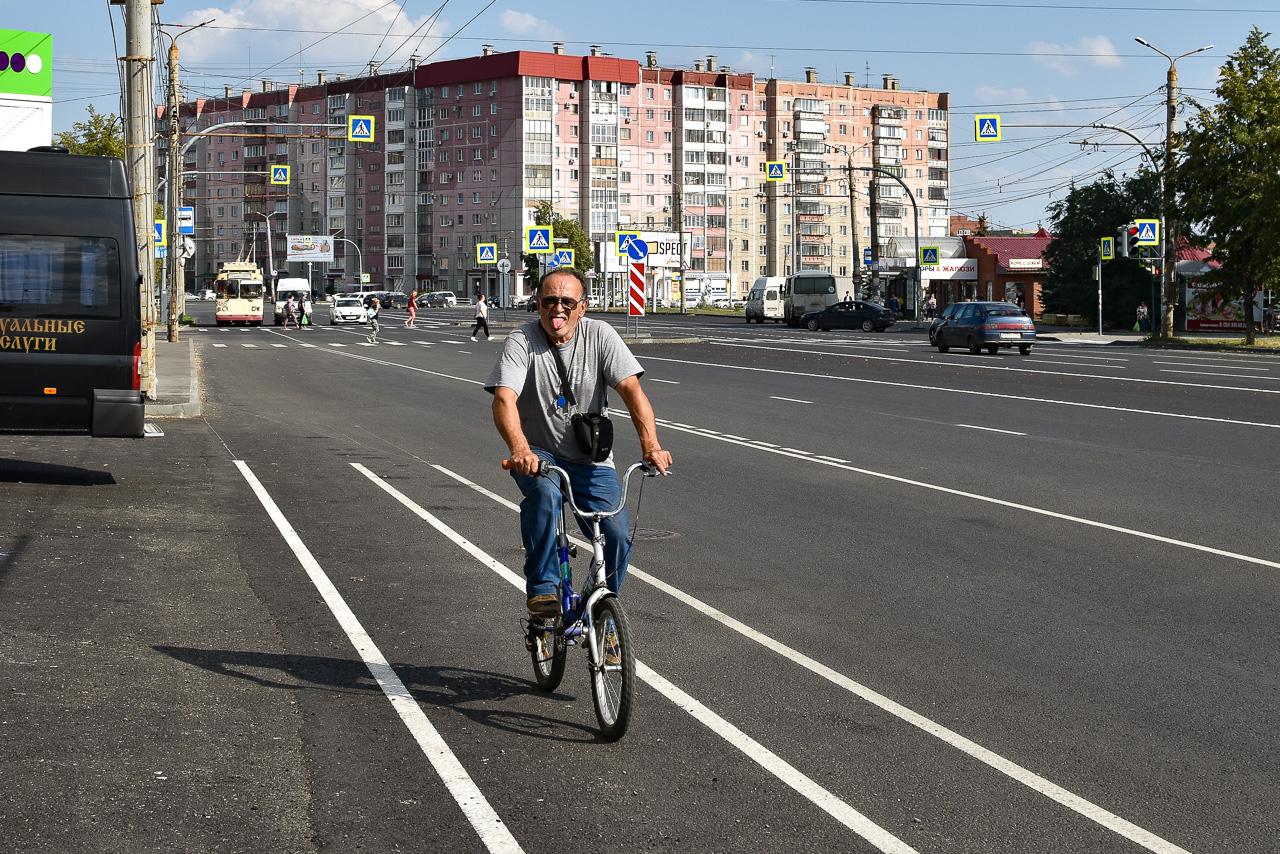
(297, 288)
(765, 299)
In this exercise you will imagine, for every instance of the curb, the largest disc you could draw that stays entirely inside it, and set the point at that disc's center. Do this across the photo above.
(189, 408)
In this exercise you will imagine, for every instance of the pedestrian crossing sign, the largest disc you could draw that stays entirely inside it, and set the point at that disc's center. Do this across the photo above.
(486, 253)
(624, 241)
(986, 127)
(160, 236)
(564, 257)
(1107, 248)
(1148, 232)
(538, 239)
(928, 256)
(360, 128)
(775, 170)
(279, 174)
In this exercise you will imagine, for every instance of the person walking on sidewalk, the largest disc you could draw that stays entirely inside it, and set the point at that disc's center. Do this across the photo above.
(482, 318)
(413, 310)
(371, 314)
(307, 319)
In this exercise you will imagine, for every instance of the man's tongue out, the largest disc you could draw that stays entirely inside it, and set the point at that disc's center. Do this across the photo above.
(557, 323)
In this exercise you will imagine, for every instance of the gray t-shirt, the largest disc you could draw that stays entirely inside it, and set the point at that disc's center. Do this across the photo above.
(527, 367)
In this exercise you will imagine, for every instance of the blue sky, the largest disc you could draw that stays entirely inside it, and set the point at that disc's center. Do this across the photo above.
(1034, 63)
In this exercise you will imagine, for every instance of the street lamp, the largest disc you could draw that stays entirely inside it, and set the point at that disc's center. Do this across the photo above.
(1166, 193)
(271, 264)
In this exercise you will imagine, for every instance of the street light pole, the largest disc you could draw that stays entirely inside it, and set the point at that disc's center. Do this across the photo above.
(1169, 276)
(271, 264)
(359, 257)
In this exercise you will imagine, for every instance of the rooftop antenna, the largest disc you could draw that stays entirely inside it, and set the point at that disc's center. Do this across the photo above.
(770, 66)
(302, 72)
(866, 80)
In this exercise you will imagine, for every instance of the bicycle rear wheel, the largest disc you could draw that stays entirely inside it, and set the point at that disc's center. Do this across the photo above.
(548, 652)
(613, 676)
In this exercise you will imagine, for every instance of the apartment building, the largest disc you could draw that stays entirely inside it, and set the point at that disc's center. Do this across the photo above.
(467, 149)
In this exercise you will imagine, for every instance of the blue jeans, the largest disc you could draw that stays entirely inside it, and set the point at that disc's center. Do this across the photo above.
(595, 488)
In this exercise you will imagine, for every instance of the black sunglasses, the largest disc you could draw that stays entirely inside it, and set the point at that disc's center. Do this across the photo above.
(569, 303)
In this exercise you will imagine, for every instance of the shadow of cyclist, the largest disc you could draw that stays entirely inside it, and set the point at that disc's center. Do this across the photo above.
(472, 693)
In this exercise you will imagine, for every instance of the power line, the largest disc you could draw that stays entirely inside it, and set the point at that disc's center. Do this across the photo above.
(1033, 7)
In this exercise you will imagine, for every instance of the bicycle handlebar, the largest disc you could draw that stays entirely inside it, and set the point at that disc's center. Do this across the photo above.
(545, 469)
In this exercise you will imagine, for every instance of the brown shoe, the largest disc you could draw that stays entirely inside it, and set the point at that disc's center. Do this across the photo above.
(544, 605)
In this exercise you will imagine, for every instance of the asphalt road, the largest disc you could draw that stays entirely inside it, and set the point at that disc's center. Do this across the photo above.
(891, 600)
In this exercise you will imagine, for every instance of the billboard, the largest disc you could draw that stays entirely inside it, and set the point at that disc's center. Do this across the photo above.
(1209, 310)
(26, 89)
(663, 252)
(951, 268)
(309, 247)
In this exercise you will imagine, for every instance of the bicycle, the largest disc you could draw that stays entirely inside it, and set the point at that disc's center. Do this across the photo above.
(594, 616)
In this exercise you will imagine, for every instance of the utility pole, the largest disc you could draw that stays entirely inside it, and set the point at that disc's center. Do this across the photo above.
(141, 160)
(1169, 277)
(677, 199)
(853, 226)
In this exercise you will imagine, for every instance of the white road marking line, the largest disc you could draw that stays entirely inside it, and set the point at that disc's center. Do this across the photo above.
(397, 344)
(1073, 364)
(1042, 345)
(976, 366)
(831, 459)
(992, 429)
(281, 346)
(791, 399)
(1218, 374)
(1039, 511)
(991, 394)
(219, 345)
(971, 748)
(656, 380)
(798, 451)
(365, 344)
(468, 352)
(765, 758)
(336, 344)
(1225, 360)
(1220, 364)
(249, 346)
(488, 826)
(300, 344)
(423, 343)
(739, 438)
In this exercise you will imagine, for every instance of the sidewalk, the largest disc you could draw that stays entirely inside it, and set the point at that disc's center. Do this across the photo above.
(177, 378)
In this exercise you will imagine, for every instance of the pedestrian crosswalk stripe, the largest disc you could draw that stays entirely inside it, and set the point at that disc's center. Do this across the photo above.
(219, 345)
(397, 344)
(250, 346)
(366, 344)
(336, 344)
(279, 345)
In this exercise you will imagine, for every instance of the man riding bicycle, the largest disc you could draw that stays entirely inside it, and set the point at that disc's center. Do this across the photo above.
(535, 399)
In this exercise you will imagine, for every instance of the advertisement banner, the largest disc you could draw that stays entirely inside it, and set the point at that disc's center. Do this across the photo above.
(1209, 311)
(309, 247)
(663, 252)
(951, 268)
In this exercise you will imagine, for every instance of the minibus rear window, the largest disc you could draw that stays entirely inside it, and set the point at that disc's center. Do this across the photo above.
(48, 276)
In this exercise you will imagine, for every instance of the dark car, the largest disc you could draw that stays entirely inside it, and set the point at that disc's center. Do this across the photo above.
(395, 299)
(983, 325)
(866, 316)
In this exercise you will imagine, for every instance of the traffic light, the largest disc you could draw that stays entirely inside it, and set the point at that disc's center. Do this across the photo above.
(1122, 241)
(1132, 250)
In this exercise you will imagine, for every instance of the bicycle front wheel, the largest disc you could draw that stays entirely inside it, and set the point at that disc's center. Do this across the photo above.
(548, 652)
(613, 675)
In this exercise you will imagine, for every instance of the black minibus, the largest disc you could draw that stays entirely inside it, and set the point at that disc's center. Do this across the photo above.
(70, 332)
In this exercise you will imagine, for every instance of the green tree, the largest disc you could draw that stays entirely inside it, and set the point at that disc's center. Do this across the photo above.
(583, 257)
(1228, 173)
(1078, 221)
(98, 135)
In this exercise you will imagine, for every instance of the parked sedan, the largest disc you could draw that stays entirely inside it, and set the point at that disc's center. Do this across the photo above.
(983, 325)
(346, 310)
(866, 316)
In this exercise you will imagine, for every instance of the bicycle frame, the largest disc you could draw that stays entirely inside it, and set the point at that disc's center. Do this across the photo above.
(578, 607)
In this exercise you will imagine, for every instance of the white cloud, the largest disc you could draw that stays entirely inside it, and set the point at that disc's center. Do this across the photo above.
(1067, 58)
(996, 95)
(530, 26)
(260, 39)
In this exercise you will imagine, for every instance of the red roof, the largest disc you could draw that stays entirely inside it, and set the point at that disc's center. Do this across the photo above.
(1006, 248)
(527, 63)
